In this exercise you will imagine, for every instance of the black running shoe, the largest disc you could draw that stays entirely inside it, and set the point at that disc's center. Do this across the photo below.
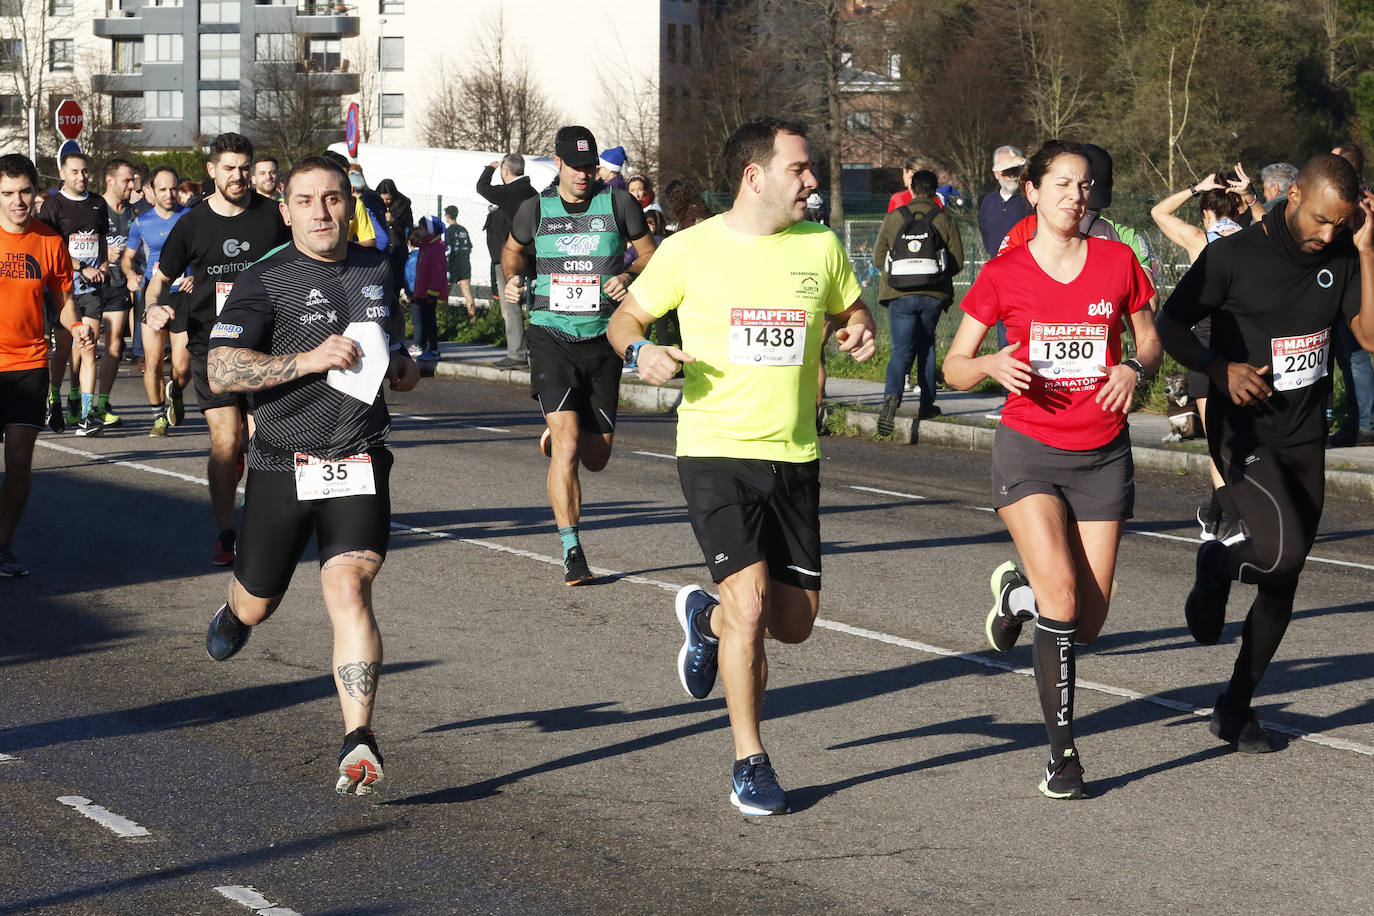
(57, 421)
(696, 660)
(756, 790)
(176, 407)
(1064, 777)
(1205, 607)
(1207, 522)
(1004, 626)
(89, 425)
(575, 568)
(225, 548)
(360, 763)
(1241, 729)
(226, 635)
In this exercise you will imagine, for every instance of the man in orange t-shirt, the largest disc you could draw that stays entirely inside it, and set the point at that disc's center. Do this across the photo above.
(32, 258)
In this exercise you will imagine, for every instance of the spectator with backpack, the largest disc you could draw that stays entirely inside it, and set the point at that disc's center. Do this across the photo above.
(919, 251)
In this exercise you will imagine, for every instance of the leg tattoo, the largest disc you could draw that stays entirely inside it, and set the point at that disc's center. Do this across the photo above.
(360, 680)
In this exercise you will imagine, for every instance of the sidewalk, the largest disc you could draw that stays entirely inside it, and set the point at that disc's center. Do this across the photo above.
(1349, 471)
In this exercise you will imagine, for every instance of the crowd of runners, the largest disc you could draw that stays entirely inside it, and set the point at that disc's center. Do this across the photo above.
(287, 332)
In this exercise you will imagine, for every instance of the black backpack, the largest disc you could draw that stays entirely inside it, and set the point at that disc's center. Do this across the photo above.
(919, 257)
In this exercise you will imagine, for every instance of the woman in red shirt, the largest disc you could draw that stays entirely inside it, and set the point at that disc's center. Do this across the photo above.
(1062, 476)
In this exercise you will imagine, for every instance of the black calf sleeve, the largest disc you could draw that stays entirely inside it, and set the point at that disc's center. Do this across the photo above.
(1053, 654)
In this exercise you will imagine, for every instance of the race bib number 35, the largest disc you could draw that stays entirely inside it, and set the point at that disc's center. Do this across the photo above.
(1065, 351)
(1300, 361)
(768, 337)
(320, 478)
(575, 293)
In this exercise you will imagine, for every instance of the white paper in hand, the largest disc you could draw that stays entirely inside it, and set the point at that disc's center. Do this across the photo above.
(365, 378)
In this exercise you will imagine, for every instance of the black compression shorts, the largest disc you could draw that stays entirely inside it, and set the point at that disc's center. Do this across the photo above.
(24, 397)
(277, 526)
(583, 376)
(744, 510)
(1098, 484)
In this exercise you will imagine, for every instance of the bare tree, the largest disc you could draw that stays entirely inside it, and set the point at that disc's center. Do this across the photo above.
(293, 111)
(633, 121)
(28, 37)
(495, 104)
(1055, 94)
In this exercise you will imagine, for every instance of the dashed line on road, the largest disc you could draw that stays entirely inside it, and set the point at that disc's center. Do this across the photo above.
(1124, 693)
(6, 758)
(120, 825)
(485, 429)
(138, 466)
(247, 895)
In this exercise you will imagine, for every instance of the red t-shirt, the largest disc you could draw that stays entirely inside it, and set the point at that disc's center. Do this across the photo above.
(1064, 331)
(1020, 234)
(28, 263)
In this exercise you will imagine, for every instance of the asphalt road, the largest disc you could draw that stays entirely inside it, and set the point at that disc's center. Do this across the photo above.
(541, 756)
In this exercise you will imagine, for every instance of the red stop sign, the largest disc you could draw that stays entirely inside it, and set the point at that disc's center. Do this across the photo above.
(70, 119)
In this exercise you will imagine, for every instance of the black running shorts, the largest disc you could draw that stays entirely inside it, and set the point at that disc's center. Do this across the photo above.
(90, 305)
(579, 375)
(24, 397)
(115, 299)
(744, 510)
(1097, 484)
(277, 526)
(207, 399)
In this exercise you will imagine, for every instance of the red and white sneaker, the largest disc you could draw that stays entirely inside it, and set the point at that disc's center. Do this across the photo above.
(360, 763)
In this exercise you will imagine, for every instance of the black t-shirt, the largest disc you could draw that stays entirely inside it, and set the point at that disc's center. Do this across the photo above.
(1271, 305)
(289, 303)
(83, 225)
(217, 248)
(116, 239)
(629, 216)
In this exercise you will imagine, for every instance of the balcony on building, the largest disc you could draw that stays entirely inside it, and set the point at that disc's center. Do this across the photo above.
(307, 17)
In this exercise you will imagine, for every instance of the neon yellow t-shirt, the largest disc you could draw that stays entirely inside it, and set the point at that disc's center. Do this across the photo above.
(752, 311)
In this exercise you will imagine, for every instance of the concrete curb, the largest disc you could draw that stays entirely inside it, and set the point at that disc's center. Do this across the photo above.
(907, 430)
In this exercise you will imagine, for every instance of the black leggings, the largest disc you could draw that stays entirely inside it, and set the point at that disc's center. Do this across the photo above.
(1278, 493)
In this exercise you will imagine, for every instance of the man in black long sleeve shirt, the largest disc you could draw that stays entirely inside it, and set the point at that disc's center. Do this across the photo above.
(1274, 292)
(507, 197)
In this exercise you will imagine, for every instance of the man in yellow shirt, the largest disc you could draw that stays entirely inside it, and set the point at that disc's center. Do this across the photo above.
(754, 288)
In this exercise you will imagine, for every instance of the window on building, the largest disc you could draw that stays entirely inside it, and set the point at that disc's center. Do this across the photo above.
(324, 54)
(859, 122)
(393, 109)
(672, 43)
(162, 49)
(391, 7)
(127, 111)
(61, 53)
(11, 8)
(61, 7)
(162, 104)
(393, 54)
(219, 55)
(11, 54)
(686, 44)
(219, 111)
(11, 110)
(275, 46)
(127, 55)
(219, 11)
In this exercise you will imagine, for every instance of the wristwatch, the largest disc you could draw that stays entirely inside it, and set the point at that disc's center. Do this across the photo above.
(632, 353)
(1142, 378)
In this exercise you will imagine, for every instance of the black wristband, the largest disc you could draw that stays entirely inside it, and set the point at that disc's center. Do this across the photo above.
(1195, 192)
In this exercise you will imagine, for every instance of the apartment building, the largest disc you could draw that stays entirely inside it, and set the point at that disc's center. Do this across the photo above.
(171, 74)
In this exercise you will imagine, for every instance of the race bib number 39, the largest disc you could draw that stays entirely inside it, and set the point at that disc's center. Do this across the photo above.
(768, 337)
(1300, 361)
(321, 478)
(222, 290)
(1068, 351)
(575, 293)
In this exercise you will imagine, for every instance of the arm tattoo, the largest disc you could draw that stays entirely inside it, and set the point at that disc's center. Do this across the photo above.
(360, 680)
(235, 369)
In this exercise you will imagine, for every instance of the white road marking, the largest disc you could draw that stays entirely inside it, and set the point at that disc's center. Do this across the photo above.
(1124, 693)
(416, 416)
(656, 455)
(6, 758)
(248, 896)
(65, 449)
(120, 825)
(1188, 540)
(887, 492)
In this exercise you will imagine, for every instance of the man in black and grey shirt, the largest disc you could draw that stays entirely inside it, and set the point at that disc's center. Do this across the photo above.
(308, 331)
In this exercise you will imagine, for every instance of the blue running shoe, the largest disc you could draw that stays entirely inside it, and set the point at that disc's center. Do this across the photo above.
(756, 787)
(696, 660)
